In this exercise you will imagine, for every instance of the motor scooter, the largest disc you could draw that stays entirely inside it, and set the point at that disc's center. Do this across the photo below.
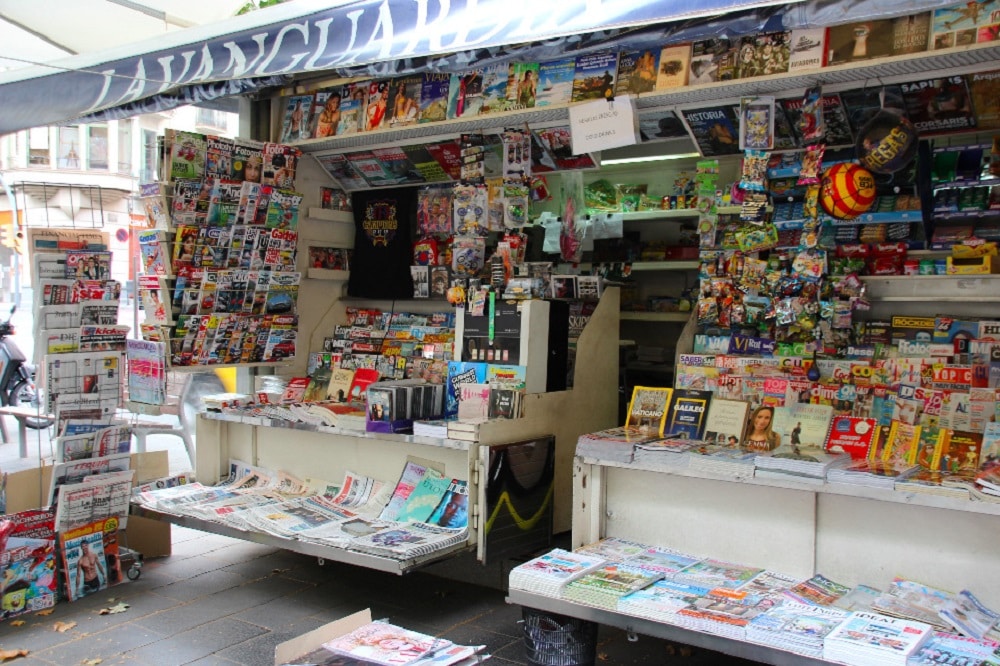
(17, 376)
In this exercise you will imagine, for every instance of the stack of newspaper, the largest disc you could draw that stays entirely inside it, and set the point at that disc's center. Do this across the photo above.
(795, 627)
(910, 600)
(604, 586)
(946, 648)
(613, 444)
(968, 616)
(661, 601)
(723, 461)
(613, 549)
(716, 573)
(930, 482)
(669, 452)
(873, 473)
(665, 561)
(548, 573)
(405, 541)
(801, 467)
(866, 638)
(725, 612)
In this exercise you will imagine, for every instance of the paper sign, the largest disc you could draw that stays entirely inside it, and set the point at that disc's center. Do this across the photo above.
(603, 124)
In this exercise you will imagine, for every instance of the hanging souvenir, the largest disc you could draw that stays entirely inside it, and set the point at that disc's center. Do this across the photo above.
(757, 123)
(812, 127)
(467, 255)
(754, 171)
(516, 205)
(470, 204)
(812, 162)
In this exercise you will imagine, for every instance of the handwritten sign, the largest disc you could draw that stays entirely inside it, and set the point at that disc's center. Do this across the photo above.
(603, 124)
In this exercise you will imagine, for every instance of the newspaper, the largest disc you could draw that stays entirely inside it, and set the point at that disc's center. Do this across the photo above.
(74, 472)
(410, 540)
(103, 338)
(96, 497)
(82, 374)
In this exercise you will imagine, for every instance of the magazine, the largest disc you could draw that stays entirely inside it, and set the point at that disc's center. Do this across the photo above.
(649, 407)
(386, 644)
(425, 497)
(28, 562)
(90, 558)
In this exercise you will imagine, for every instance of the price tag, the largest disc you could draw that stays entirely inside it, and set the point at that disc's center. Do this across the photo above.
(603, 124)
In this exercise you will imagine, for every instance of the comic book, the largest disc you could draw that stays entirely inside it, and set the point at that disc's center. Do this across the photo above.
(28, 563)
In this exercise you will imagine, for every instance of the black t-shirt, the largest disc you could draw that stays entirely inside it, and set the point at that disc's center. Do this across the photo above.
(380, 266)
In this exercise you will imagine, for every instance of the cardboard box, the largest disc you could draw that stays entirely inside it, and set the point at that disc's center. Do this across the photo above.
(312, 640)
(972, 265)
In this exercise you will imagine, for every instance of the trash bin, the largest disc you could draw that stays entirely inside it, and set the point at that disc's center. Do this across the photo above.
(556, 640)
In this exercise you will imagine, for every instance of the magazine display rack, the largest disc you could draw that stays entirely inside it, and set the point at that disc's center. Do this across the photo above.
(317, 453)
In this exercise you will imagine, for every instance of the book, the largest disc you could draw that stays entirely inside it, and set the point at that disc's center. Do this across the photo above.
(807, 49)
(962, 24)
(648, 408)
(687, 413)
(985, 89)
(901, 444)
(763, 54)
(363, 377)
(851, 435)
(555, 82)
(594, 77)
(863, 40)
(712, 60)
(473, 401)
(637, 72)
(911, 34)
(673, 67)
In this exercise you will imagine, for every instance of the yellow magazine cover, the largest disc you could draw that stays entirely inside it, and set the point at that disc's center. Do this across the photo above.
(902, 444)
(648, 408)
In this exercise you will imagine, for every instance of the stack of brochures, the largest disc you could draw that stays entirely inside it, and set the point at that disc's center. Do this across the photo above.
(604, 586)
(548, 573)
(795, 627)
(865, 639)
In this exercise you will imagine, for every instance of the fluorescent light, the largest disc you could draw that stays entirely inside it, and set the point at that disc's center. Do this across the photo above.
(648, 158)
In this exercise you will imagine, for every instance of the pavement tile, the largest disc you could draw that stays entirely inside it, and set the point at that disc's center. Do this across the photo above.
(197, 643)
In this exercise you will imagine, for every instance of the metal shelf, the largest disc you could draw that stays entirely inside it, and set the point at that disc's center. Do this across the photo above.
(332, 553)
(655, 316)
(331, 215)
(895, 69)
(327, 274)
(934, 288)
(678, 265)
(669, 214)
(735, 648)
(847, 489)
